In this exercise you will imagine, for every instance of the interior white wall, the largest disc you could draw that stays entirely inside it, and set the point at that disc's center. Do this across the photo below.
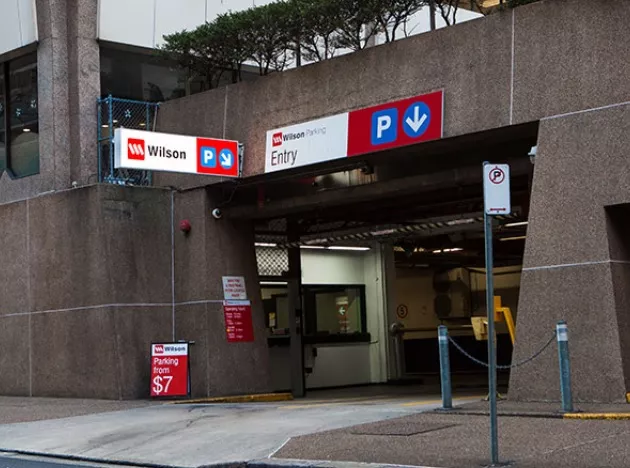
(352, 363)
(18, 24)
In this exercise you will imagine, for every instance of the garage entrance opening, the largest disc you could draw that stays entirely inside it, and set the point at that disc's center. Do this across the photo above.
(381, 250)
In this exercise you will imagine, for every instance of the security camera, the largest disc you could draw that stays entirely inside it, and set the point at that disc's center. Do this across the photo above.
(217, 213)
(532, 153)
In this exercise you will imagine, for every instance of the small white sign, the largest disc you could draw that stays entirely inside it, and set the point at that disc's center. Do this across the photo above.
(234, 288)
(496, 189)
(307, 143)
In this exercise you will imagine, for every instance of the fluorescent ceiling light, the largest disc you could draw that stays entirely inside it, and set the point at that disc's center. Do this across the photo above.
(273, 283)
(26, 130)
(265, 244)
(105, 126)
(383, 232)
(457, 222)
(312, 247)
(454, 249)
(521, 223)
(335, 247)
(512, 238)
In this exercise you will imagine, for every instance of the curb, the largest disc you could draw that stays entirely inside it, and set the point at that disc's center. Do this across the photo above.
(559, 415)
(257, 398)
(599, 416)
(264, 463)
(504, 415)
(300, 463)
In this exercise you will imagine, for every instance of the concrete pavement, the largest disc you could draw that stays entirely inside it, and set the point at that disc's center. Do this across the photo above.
(330, 429)
(461, 440)
(197, 435)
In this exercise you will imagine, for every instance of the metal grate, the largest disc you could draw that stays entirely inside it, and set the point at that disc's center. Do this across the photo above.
(272, 261)
(122, 113)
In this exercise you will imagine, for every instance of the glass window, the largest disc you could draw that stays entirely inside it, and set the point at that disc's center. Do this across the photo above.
(130, 75)
(335, 310)
(329, 312)
(23, 120)
(3, 138)
(276, 307)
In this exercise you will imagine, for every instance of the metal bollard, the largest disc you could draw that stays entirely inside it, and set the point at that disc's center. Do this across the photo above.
(445, 368)
(565, 366)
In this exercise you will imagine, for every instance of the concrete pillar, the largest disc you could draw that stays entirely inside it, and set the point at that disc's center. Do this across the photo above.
(576, 262)
(213, 249)
(69, 84)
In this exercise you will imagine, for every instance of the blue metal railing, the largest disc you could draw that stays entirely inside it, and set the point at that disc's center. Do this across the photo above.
(122, 113)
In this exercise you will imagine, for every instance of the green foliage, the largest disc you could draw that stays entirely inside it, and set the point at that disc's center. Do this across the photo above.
(273, 35)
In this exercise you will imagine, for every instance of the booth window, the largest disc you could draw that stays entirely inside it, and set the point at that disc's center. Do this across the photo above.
(334, 313)
(19, 125)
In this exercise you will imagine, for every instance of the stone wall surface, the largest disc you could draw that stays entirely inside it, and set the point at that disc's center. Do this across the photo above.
(575, 264)
(87, 286)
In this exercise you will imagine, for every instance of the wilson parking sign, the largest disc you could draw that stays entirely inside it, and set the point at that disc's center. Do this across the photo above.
(170, 370)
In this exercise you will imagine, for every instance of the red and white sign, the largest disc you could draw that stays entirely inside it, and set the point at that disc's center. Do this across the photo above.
(238, 321)
(170, 375)
(152, 151)
(395, 124)
(234, 288)
(496, 189)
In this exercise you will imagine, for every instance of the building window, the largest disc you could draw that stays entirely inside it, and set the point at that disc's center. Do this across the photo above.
(333, 313)
(19, 125)
(140, 77)
(334, 310)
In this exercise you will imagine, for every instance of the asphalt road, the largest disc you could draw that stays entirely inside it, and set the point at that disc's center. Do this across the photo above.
(19, 461)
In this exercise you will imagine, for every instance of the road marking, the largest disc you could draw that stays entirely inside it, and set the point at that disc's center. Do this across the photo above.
(383, 400)
(433, 402)
(605, 416)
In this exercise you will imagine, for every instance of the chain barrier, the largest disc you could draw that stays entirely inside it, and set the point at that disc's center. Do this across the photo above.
(511, 366)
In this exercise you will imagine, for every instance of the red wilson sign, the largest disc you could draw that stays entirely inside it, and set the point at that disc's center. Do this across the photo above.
(238, 321)
(170, 374)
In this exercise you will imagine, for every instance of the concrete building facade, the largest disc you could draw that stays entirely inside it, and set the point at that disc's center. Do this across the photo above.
(93, 274)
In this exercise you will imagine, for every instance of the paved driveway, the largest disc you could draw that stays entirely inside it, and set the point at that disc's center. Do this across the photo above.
(194, 435)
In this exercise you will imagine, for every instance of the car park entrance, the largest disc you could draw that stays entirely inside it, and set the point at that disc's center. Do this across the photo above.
(360, 263)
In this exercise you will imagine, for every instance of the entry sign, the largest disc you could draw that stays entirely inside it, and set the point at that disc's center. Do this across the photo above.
(152, 151)
(170, 371)
(234, 288)
(394, 124)
(496, 189)
(238, 321)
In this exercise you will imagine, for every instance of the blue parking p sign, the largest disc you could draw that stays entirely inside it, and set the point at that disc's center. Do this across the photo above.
(384, 126)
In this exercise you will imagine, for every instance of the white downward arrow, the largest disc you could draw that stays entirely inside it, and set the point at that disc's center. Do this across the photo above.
(226, 159)
(417, 121)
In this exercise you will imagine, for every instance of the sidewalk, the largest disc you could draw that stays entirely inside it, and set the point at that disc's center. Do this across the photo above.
(531, 435)
(397, 428)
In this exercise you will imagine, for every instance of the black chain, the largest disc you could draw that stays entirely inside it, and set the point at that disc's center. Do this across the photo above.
(511, 366)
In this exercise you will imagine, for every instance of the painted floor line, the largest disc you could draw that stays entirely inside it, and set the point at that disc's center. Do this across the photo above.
(272, 454)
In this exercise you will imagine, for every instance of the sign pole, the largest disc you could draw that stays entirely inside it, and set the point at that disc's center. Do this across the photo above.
(496, 198)
(492, 361)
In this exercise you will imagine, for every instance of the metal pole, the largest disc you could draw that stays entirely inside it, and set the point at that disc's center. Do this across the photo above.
(110, 123)
(562, 336)
(445, 368)
(492, 360)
